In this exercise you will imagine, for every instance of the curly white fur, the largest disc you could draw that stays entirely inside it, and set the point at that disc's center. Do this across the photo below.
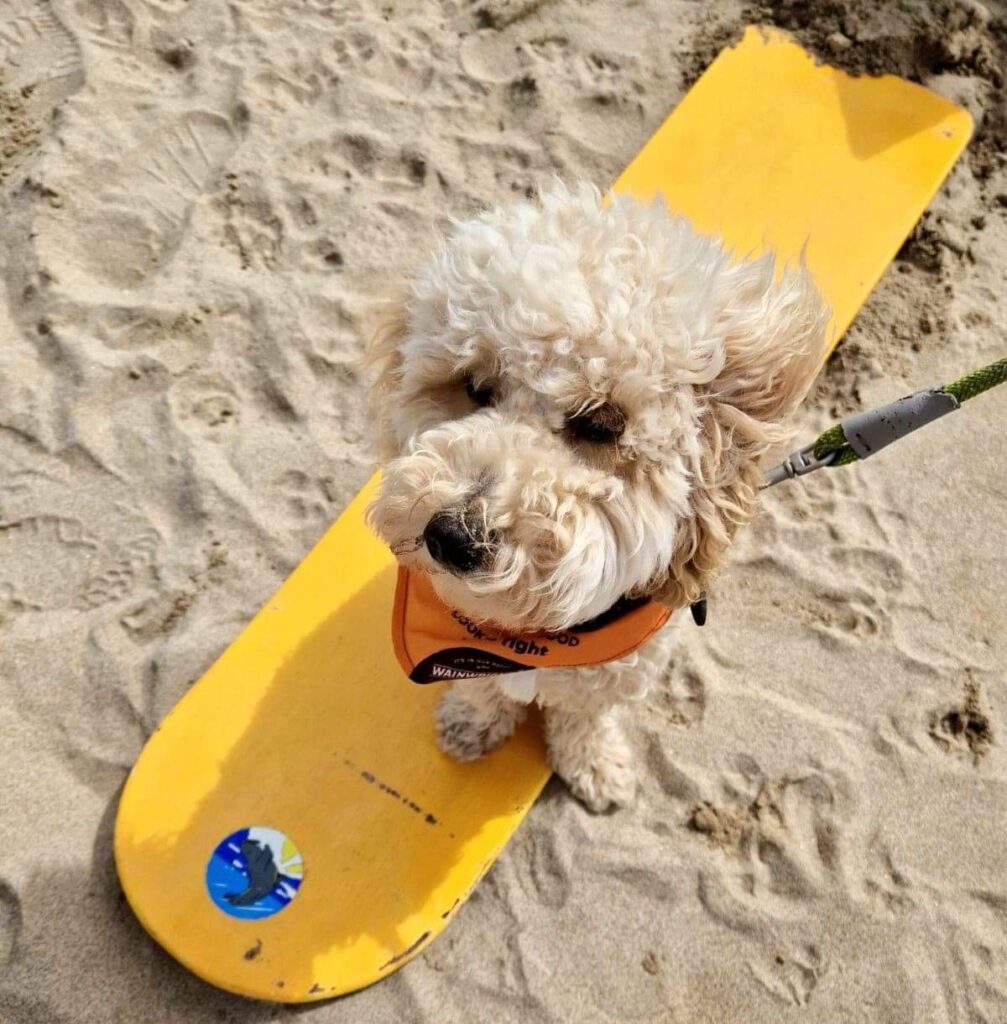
(561, 307)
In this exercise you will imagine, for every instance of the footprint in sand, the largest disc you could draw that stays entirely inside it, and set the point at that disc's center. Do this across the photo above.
(681, 694)
(206, 405)
(788, 835)
(45, 562)
(308, 499)
(963, 728)
(790, 976)
(129, 228)
(38, 56)
(50, 562)
(118, 570)
(107, 23)
(40, 67)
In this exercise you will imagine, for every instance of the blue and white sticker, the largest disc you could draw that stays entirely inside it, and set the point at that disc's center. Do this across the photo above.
(254, 873)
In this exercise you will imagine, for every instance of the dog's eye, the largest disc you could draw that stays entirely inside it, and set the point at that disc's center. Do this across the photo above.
(601, 425)
(481, 394)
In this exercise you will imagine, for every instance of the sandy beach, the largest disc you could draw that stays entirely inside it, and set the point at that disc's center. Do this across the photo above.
(203, 205)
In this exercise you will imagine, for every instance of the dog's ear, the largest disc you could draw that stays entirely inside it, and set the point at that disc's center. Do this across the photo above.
(383, 360)
(775, 342)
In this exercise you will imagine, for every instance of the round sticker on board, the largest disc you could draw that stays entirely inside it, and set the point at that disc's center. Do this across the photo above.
(254, 873)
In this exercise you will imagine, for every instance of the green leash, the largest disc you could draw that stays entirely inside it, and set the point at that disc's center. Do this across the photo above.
(866, 433)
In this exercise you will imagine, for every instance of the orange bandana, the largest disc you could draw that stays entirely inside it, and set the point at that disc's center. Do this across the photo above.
(435, 643)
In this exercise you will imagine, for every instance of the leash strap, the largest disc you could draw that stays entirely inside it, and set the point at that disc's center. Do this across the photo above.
(865, 433)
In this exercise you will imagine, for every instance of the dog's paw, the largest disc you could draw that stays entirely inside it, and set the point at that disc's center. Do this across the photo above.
(593, 759)
(605, 783)
(466, 732)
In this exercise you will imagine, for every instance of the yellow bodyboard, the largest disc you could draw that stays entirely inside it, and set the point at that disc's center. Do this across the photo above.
(291, 831)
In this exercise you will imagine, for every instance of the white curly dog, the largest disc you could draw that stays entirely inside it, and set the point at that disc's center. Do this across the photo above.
(575, 401)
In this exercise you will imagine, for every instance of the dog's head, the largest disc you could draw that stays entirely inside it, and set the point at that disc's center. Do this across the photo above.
(575, 402)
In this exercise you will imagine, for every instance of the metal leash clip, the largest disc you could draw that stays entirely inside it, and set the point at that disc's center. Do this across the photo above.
(798, 464)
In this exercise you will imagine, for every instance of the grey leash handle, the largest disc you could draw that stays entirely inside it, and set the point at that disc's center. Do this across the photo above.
(869, 432)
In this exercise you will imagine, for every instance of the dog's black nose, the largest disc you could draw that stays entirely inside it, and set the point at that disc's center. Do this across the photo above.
(457, 542)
